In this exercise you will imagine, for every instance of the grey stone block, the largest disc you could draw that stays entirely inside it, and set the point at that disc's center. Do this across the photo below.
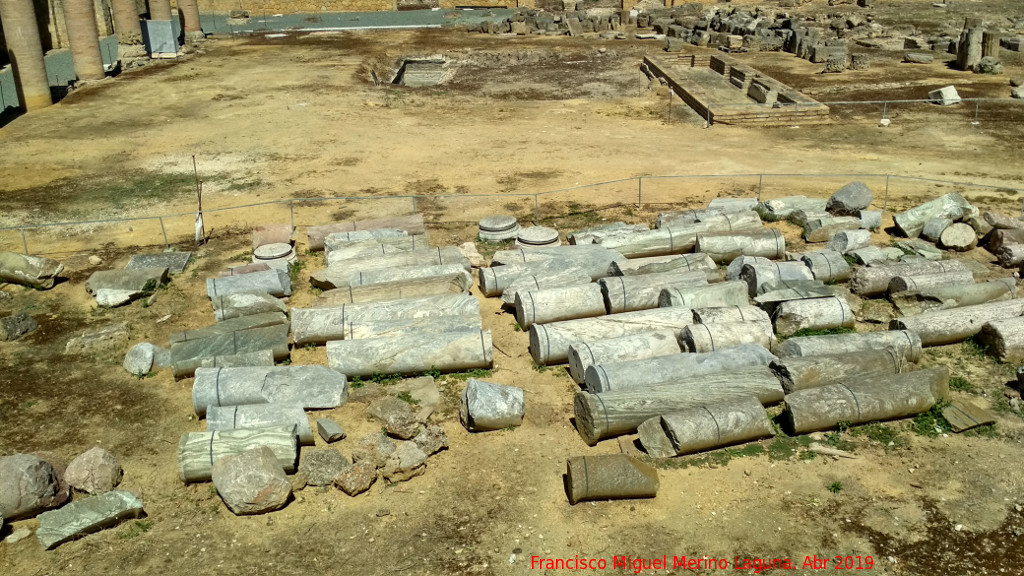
(490, 406)
(329, 430)
(187, 356)
(16, 326)
(25, 270)
(29, 485)
(321, 467)
(117, 287)
(252, 482)
(94, 471)
(274, 282)
(850, 199)
(175, 262)
(139, 359)
(86, 516)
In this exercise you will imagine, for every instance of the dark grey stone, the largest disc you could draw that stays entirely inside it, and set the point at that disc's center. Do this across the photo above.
(139, 359)
(16, 326)
(321, 467)
(175, 262)
(329, 430)
(850, 199)
(29, 485)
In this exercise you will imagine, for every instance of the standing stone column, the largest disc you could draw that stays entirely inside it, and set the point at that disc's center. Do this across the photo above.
(84, 37)
(160, 10)
(990, 44)
(126, 22)
(190, 12)
(968, 52)
(25, 51)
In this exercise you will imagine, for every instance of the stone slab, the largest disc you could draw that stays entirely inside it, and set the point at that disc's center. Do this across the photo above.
(175, 262)
(85, 516)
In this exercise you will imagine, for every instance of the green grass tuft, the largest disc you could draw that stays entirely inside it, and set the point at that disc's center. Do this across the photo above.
(835, 487)
(931, 423)
(822, 332)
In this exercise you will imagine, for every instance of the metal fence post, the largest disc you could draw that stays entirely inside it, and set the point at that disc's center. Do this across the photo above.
(885, 201)
(23, 241)
(536, 208)
(639, 191)
(760, 183)
(976, 104)
(163, 231)
(413, 204)
(291, 212)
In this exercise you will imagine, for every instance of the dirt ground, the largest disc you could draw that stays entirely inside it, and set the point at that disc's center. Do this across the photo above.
(298, 117)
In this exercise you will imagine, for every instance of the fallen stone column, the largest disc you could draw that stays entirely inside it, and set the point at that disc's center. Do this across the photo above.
(273, 282)
(643, 346)
(781, 208)
(719, 366)
(405, 326)
(764, 276)
(724, 247)
(340, 274)
(541, 281)
(657, 264)
(360, 235)
(1004, 339)
(412, 354)
(1011, 255)
(861, 400)
(875, 280)
(959, 237)
(711, 337)
(319, 325)
(705, 428)
(677, 239)
(257, 358)
(827, 266)
(86, 516)
(542, 253)
(456, 282)
(549, 343)
(803, 372)
(849, 240)
(24, 270)
(946, 297)
(591, 235)
(556, 304)
(825, 228)
(729, 314)
(952, 206)
(341, 250)
(405, 273)
(608, 477)
(236, 305)
(907, 344)
(732, 293)
(709, 218)
(1004, 237)
(187, 356)
(494, 281)
(248, 416)
(412, 224)
(956, 324)
(813, 314)
(489, 406)
(609, 414)
(197, 451)
(926, 281)
(229, 326)
(311, 387)
(630, 293)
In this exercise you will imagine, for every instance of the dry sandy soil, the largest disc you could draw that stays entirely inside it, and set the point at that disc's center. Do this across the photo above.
(297, 117)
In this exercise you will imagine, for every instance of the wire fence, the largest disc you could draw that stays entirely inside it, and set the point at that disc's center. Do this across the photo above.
(975, 110)
(650, 192)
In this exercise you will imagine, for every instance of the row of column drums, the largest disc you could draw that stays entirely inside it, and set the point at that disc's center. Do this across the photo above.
(25, 49)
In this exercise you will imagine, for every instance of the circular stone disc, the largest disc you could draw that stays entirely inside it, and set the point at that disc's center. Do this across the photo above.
(272, 251)
(539, 235)
(499, 223)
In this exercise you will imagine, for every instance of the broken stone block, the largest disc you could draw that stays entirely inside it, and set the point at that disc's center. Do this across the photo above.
(422, 391)
(16, 326)
(357, 478)
(139, 359)
(398, 417)
(407, 461)
(989, 65)
(275, 282)
(86, 516)
(251, 304)
(469, 251)
(98, 339)
(255, 358)
(33, 271)
(850, 199)
(946, 96)
(94, 471)
(431, 440)
(252, 482)
(117, 287)
(374, 448)
(320, 467)
(490, 406)
(918, 58)
(329, 430)
(29, 485)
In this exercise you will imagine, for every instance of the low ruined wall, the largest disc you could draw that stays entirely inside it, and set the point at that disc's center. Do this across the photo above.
(296, 6)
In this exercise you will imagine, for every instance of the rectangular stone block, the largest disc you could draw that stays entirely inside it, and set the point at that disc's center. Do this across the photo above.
(85, 516)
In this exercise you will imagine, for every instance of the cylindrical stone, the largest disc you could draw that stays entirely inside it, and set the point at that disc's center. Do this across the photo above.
(587, 353)
(412, 354)
(25, 52)
(83, 34)
(792, 316)
(557, 304)
(629, 293)
(609, 476)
